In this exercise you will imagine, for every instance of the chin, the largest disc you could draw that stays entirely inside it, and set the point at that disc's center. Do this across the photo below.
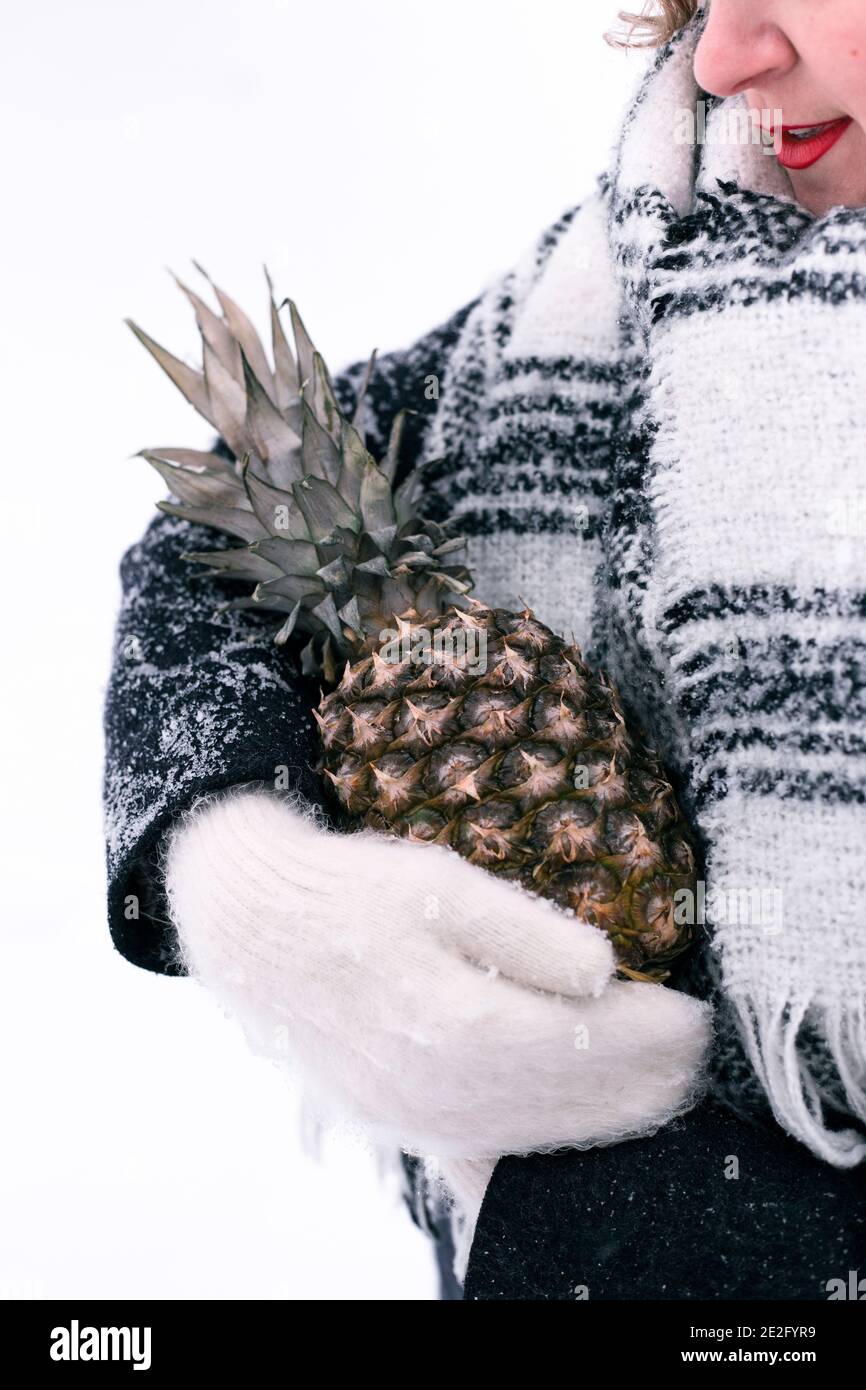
(838, 180)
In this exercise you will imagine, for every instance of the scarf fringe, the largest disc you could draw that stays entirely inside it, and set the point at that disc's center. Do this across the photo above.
(794, 1091)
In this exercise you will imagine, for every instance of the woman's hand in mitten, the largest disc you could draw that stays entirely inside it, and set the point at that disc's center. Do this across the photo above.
(446, 1009)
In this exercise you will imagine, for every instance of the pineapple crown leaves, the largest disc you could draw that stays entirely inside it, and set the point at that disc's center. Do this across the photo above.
(328, 540)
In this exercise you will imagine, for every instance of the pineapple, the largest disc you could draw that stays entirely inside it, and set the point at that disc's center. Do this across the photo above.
(443, 720)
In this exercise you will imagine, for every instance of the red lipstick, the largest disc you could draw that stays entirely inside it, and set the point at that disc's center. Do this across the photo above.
(801, 146)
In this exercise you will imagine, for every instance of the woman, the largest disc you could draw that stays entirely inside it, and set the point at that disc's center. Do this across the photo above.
(652, 427)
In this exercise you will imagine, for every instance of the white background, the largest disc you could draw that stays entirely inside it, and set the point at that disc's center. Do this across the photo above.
(385, 158)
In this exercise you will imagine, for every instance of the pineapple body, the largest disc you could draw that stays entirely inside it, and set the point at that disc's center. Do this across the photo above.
(497, 740)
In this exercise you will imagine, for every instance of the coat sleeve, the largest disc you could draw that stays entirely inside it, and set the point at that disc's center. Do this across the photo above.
(199, 703)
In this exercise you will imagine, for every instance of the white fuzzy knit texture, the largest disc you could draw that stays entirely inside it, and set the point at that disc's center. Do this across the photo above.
(444, 1010)
(461, 1184)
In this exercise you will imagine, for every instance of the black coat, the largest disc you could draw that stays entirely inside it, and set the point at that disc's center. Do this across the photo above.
(711, 1207)
(198, 703)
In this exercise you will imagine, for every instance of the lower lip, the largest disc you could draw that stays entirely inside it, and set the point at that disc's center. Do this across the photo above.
(802, 154)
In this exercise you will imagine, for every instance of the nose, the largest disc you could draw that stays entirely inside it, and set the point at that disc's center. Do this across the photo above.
(739, 49)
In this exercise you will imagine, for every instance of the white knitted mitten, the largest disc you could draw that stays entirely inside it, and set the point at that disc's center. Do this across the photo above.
(448, 1011)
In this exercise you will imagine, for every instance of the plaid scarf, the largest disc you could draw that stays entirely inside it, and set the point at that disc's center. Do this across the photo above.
(653, 429)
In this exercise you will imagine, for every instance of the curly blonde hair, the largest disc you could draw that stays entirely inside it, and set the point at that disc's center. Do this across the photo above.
(657, 22)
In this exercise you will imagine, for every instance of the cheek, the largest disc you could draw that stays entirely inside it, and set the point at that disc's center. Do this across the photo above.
(838, 48)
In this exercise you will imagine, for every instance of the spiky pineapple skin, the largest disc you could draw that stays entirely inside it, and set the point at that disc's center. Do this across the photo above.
(524, 765)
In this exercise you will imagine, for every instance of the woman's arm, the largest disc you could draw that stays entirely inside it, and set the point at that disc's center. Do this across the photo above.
(444, 1009)
(433, 1003)
(199, 703)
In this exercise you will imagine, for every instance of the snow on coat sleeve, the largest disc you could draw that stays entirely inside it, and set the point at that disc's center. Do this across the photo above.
(198, 702)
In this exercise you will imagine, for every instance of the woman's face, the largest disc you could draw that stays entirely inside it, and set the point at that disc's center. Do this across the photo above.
(807, 60)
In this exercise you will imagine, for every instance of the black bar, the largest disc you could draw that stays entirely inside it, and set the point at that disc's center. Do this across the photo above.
(221, 1338)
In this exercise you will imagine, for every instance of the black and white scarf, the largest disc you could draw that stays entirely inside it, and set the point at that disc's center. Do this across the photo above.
(654, 429)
